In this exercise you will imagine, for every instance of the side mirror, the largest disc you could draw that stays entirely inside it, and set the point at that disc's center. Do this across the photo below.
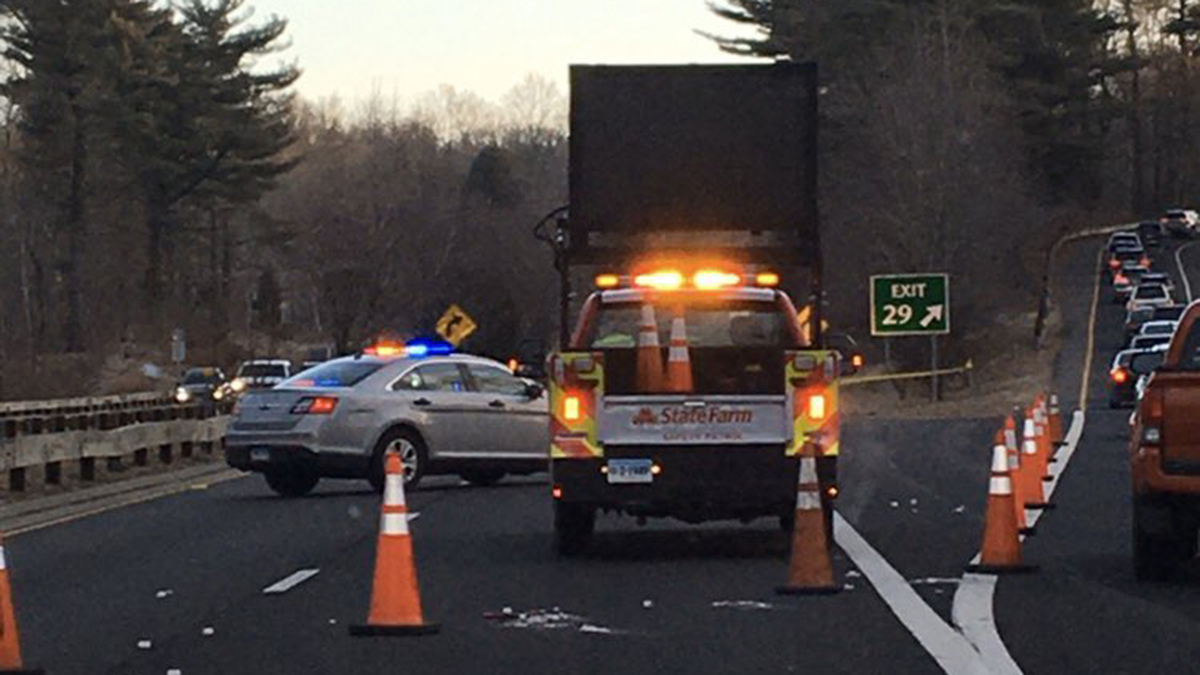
(533, 390)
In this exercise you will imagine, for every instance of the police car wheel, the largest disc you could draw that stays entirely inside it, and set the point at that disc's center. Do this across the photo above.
(413, 458)
(573, 527)
(291, 481)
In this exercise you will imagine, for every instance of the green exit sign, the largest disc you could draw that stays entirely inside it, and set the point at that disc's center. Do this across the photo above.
(910, 304)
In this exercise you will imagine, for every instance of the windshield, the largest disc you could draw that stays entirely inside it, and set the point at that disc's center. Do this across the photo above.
(208, 376)
(263, 370)
(335, 374)
(708, 324)
(1148, 341)
(1150, 292)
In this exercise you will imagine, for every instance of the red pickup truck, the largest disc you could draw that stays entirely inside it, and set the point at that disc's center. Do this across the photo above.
(1165, 456)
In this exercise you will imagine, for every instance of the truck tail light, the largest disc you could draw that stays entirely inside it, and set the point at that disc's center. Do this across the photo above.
(816, 406)
(572, 408)
(315, 405)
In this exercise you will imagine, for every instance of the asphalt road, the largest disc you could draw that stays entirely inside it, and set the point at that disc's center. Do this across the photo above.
(177, 583)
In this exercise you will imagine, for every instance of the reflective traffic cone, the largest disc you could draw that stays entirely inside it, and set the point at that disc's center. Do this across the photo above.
(1056, 424)
(10, 642)
(1007, 439)
(811, 569)
(395, 597)
(1031, 469)
(649, 356)
(1001, 551)
(1045, 447)
(679, 364)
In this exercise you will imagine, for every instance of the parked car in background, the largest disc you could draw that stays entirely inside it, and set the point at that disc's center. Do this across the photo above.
(200, 384)
(261, 374)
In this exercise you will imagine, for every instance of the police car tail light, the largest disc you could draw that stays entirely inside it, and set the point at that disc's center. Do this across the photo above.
(708, 280)
(315, 405)
(572, 409)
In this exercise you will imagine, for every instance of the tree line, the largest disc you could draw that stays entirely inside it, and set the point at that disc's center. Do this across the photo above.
(158, 172)
(967, 135)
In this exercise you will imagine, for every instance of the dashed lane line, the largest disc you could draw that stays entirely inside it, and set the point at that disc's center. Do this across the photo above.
(291, 581)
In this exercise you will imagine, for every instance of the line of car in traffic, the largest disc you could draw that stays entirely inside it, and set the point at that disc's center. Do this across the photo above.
(209, 383)
(1151, 313)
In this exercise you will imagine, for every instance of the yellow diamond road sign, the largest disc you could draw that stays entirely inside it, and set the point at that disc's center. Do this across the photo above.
(456, 325)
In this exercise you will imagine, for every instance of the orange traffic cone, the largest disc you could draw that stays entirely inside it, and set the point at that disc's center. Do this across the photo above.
(1056, 424)
(811, 569)
(649, 356)
(1031, 469)
(679, 364)
(1007, 438)
(395, 597)
(10, 643)
(1001, 550)
(1045, 447)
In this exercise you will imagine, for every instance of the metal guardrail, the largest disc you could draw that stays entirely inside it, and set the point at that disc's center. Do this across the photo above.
(47, 454)
(43, 417)
(86, 404)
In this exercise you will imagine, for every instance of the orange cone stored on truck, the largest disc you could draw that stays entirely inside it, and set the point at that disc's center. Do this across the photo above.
(10, 643)
(811, 569)
(1001, 551)
(395, 597)
(649, 356)
(679, 364)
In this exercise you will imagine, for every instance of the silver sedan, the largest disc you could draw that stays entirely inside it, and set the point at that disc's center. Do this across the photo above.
(454, 414)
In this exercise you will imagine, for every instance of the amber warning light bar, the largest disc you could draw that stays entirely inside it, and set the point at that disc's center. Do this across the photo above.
(674, 280)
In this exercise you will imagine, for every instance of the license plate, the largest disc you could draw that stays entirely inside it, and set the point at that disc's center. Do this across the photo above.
(260, 454)
(630, 471)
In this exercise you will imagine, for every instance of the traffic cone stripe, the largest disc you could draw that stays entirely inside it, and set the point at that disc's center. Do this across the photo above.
(393, 492)
(394, 524)
(3, 562)
(1000, 485)
(649, 329)
(808, 501)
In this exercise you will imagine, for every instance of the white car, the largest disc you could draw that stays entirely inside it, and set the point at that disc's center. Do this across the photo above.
(261, 374)
(1149, 295)
(1158, 328)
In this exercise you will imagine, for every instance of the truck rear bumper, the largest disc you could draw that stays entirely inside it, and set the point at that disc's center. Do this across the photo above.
(1149, 476)
(694, 484)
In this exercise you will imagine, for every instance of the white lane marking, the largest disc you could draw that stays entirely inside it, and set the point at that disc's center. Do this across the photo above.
(950, 649)
(1187, 285)
(972, 611)
(291, 581)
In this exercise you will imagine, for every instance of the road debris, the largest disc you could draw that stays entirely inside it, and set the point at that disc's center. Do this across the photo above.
(208, 631)
(164, 593)
(144, 644)
(743, 605)
(554, 618)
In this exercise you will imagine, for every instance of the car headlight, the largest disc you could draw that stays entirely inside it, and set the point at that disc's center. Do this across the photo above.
(218, 394)
(238, 384)
(182, 395)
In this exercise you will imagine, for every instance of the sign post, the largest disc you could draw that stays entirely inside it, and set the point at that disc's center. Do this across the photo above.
(912, 304)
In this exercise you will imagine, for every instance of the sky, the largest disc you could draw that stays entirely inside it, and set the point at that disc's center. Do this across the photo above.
(403, 48)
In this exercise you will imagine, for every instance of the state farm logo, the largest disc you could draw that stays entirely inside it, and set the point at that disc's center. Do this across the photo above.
(687, 415)
(644, 417)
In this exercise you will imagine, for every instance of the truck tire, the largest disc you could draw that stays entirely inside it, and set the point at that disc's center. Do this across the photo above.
(1157, 546)
(291, 481)
(573, 527)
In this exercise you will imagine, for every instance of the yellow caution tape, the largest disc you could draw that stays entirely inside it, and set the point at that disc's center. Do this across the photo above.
(888, 377)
